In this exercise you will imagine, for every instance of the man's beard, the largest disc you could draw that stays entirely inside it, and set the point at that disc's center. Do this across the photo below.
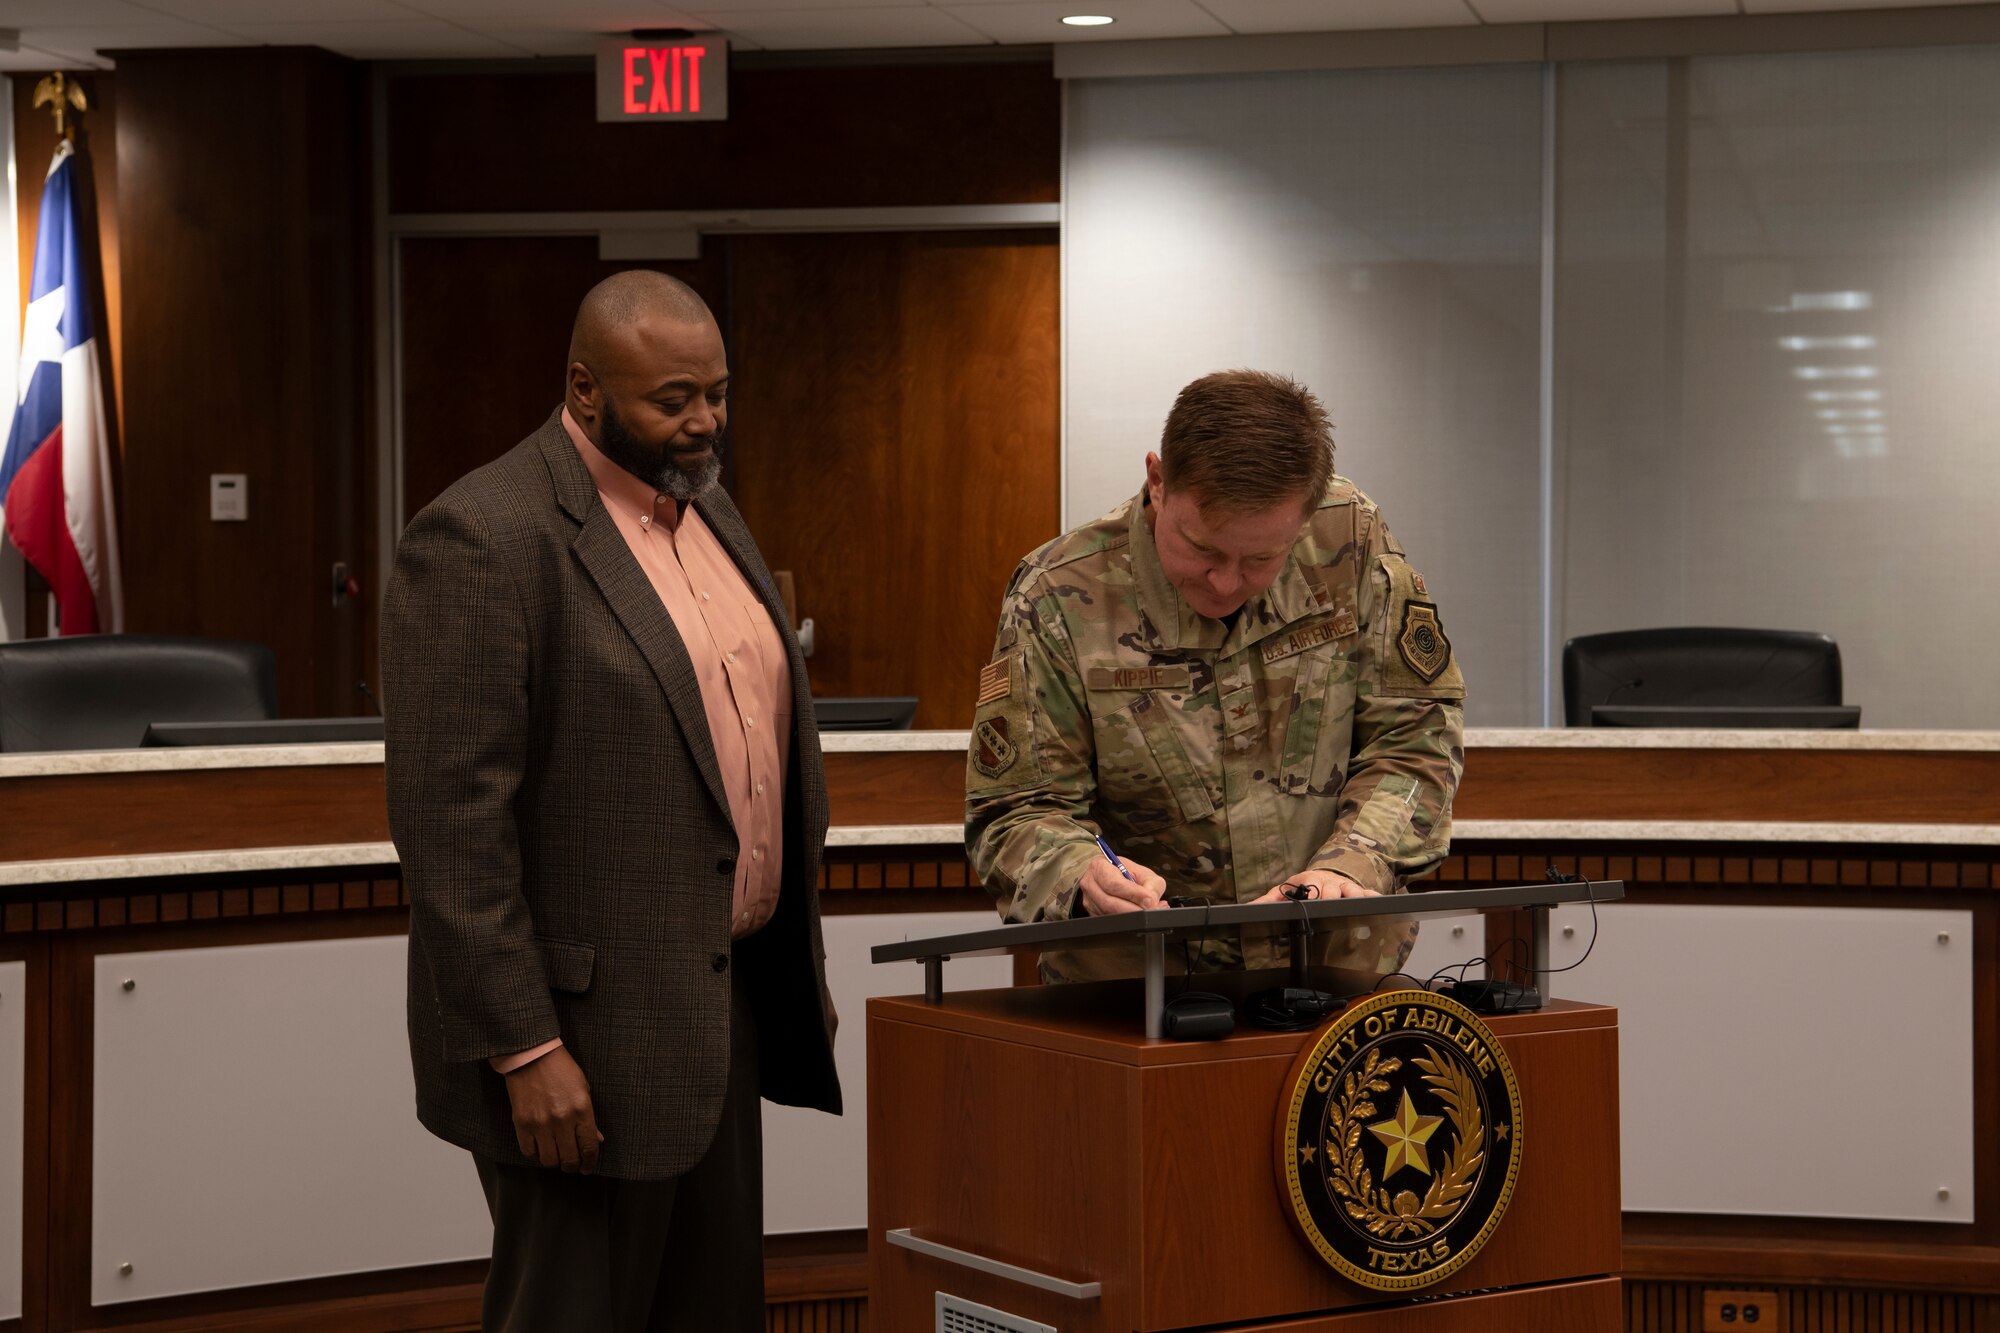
(656, 467)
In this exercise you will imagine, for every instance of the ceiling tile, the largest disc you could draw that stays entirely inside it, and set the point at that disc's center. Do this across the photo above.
(33, 60)
(1042, 21)
(837, 29)
(542, 41)
(411, 40)
(86, 42)
(263, 11)
(540, 14)
(1336, 15)
(1798, 6)
(26, 14)
(1559, 11)
(717, 8)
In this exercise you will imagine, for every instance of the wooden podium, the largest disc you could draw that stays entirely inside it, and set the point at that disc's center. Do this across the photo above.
(1032, 1152)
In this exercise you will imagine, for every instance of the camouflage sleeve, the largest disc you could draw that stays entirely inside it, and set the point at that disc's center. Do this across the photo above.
(1030, 769)
(1409, 730)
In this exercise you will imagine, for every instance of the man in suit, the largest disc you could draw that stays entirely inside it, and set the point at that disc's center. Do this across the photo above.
(605, 787)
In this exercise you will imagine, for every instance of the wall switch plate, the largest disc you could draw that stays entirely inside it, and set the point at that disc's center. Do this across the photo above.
(1741, 1312)
(228, 496)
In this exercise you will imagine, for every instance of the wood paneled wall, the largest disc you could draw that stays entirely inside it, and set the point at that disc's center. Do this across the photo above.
(898, 444)
(242, 199)
(824, 134)
(484, 341)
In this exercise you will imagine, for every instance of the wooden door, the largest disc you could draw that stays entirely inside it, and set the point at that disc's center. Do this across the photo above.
(484, 340)
(896, 443)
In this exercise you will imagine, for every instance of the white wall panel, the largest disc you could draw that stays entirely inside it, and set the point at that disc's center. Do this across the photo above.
(1446, 942)
(1789, 1061)
(13, 1107)
(254, 1121)
(815, 1165)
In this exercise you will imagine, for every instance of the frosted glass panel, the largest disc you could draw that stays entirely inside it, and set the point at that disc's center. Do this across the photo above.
(1376, 234)
(1776, 285)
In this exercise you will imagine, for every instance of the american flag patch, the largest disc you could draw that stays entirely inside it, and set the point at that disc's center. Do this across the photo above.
(993, 682)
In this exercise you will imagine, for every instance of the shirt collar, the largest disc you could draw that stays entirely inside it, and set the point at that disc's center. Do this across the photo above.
(618, 488)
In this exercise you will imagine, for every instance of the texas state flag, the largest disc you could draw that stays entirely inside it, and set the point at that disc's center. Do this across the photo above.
(55, 467)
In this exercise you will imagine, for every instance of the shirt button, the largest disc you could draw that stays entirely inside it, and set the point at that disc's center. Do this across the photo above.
(756, 853)
(749, 721)
(760, 789)
(659, 499)
(730, 657)
(644, 519)
(705, 597)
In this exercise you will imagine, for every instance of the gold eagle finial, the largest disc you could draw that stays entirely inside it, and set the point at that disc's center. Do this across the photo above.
(60, 94)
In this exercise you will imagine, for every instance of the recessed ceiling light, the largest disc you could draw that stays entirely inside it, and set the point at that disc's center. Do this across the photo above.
(1088, 20)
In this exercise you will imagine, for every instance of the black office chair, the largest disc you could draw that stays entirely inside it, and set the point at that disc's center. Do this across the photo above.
(101, 691)
(1698, 668)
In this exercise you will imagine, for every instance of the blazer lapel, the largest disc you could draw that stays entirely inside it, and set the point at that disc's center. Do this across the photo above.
(610, 563)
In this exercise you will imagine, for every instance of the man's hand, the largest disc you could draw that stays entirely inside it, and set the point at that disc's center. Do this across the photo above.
(1324, 884)
(1106, 891)
(553, 1119)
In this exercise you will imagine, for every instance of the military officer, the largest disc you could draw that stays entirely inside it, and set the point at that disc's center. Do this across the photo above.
(1236, 679)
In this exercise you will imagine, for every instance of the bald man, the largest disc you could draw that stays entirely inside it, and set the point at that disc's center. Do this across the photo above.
(605, 788)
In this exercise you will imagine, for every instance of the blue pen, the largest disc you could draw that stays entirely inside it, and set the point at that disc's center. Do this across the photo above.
(1112, 857)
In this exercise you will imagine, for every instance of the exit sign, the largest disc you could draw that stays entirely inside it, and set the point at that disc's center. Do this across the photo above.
(685, 78)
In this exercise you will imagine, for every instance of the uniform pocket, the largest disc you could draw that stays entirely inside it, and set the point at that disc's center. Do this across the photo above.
(1333, 744)
(1144, 775)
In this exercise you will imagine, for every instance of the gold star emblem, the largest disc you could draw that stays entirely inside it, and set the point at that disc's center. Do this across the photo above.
(1405, 1137)
(1501, 1130)
(1306, 1153)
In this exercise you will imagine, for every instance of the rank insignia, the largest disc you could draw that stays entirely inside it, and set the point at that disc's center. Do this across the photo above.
(993, 751)
(1424, 648)
(1417, 582)
(1399, 1140)
(993, 683)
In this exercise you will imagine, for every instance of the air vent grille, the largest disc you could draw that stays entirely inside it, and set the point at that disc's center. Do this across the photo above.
(957, 1315)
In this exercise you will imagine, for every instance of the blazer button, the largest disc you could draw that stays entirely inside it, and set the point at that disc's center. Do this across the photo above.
(720, 962)
(726, 866)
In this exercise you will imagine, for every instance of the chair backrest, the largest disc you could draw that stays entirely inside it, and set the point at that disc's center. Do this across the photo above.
(101, 691)
(1694, 666)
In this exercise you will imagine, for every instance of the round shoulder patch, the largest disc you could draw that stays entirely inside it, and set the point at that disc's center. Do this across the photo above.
(1399, 1140)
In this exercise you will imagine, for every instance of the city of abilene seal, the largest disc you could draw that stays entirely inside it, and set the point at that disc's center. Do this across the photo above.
(1399, 1140)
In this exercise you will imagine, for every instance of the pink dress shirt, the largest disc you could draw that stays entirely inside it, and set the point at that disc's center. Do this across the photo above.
(739, 663)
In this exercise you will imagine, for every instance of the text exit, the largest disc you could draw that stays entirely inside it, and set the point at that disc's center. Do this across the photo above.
(685, 79)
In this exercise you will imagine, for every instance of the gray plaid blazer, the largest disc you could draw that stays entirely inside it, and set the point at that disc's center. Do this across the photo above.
(555, 799)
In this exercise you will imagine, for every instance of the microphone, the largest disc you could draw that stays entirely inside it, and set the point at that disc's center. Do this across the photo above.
(362, 685)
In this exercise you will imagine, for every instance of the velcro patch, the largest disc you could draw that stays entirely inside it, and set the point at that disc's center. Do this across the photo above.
(993, 750)
(993, 683)
(1422, 644)
(1139, 678)
(1312, 636)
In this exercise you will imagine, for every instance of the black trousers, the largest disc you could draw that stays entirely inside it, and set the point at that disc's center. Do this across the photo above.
(585, 1254)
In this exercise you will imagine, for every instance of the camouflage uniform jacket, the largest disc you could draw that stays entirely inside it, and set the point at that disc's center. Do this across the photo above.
(1323, 729)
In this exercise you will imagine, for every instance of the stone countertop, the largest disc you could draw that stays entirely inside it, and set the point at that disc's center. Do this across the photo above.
(348, 855)
(172, 759)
